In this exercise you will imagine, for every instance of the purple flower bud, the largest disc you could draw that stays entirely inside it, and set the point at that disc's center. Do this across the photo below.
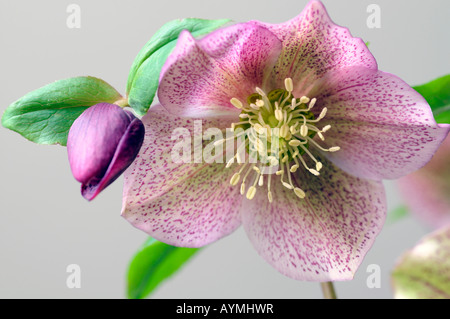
(101, 144)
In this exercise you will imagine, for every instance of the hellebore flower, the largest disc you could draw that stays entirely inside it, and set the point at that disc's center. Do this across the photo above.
(103, 141)
(317, 216)
(427, 191)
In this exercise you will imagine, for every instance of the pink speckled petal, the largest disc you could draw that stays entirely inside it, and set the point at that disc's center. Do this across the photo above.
(201, 76)
(188, 205)
(385, 128)
(427, 191)
(323, 237)
(312, 46)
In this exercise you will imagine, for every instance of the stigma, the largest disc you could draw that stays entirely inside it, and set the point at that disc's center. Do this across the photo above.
(281, 130)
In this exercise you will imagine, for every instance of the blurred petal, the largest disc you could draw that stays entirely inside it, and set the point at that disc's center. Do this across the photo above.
(424, 271)
(427, 191)
(201, 76)
(323, 237)
(384, 127)
(312, 46)
(187, 205)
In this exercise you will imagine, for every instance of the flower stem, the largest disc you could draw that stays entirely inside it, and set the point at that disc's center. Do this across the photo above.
(328, 290)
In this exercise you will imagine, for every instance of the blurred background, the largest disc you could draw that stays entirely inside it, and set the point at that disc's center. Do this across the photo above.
(45, 223)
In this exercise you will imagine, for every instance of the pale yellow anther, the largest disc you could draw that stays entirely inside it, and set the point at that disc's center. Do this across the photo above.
(320, 135)
(294, 168)
(258, 128)
(261, 180)
(279, 115)
(284, 130)
(288, 136)
(269, 196)
(304, 99)
(289, 84)
(334, 149)
(303, 130)
(288, 186)
(259, 103)
(256, 169)
(238, 158)
(229, 163)
(243, 116)
(293, 103)
(326, 128)
(294, 143)
(300, 193)
(312, 103)
(235, 179)
(279, 173)
(293, 129)
(314, 172)
(322, 114)
(285, 159)
(236, 103)
(251, 192)
(260, 92)
(254, 106)
(319, 166)
(242, 188)
(273, 161)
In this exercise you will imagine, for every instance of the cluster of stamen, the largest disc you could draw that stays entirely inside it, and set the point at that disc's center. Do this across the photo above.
(295, 128)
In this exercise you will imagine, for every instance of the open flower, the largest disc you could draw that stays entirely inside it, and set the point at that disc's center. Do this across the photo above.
(427, 191)
(103, 141)
(342, 127)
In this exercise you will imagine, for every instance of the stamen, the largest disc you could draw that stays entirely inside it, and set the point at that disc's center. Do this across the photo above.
(269, 193)
(304, 100)
(312, 103)
(300, 193)
(289, 85)
(251, 192)
(295, 126)
(235, 179)
(236, 103)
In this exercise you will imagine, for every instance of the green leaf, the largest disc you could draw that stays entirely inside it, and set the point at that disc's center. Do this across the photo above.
(45, 115)
(437, 94)
(397, 214)
(424, 272)
(144, 74)
(154, 263)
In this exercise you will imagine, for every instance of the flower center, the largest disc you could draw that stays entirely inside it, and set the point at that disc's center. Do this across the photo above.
(281, 130)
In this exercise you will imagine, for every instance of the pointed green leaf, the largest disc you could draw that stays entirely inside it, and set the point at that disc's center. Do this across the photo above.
(154, 263)
(45, 115)
(437, 94)
(424, 272)
(144, 74)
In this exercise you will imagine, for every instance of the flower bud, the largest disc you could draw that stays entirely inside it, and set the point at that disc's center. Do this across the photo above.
(102, 143)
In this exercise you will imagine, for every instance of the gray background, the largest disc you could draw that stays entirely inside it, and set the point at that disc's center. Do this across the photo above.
(47, 225)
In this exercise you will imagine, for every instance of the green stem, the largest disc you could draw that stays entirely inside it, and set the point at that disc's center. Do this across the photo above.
(328, 290)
